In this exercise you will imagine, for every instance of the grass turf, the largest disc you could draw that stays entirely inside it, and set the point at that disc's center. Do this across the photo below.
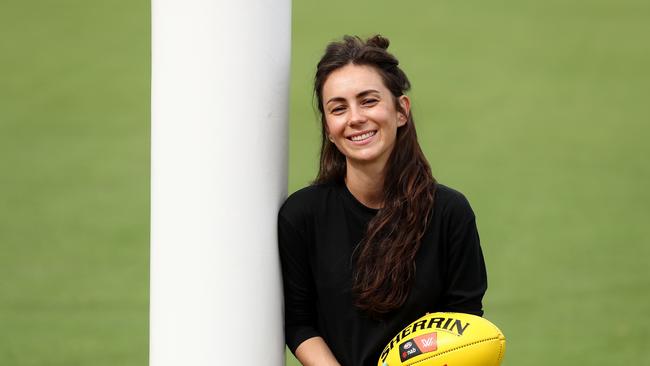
(536, 110)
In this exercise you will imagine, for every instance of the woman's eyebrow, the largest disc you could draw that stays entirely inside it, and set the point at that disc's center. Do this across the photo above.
(336, 99)
(360, 95)
(366, 92)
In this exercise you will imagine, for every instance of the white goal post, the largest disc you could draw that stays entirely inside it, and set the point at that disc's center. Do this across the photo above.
(219, 105)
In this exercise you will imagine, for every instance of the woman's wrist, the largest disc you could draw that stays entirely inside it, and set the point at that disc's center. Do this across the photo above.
(315, 352)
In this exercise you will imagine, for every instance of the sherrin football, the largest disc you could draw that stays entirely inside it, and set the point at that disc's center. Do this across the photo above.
(446, 339)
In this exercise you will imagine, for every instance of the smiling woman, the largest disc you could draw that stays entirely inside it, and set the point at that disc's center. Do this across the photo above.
(351, 242)
(361, 115)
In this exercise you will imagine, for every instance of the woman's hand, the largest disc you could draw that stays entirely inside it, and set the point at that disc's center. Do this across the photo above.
(315, 352)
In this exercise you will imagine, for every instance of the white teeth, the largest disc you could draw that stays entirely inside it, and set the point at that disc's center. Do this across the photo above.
(362, 136)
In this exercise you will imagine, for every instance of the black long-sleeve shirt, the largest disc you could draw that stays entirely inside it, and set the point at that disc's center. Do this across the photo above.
(319, 227)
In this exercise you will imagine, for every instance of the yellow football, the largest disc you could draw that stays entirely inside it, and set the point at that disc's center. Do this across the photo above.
(446, 339)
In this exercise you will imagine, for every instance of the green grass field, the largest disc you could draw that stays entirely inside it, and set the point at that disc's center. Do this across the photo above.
(537, 110)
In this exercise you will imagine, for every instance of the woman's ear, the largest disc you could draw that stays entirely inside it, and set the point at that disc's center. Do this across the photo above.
(405, 109)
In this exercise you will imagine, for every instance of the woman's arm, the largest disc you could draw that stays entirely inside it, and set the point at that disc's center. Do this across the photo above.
(315, 352)
(301, 331)
(466, 276)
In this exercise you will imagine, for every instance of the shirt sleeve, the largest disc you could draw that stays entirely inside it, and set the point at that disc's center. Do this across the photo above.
(466, 277)
(299, 291)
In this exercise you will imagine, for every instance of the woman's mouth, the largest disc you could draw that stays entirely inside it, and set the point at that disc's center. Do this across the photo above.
(362, 136)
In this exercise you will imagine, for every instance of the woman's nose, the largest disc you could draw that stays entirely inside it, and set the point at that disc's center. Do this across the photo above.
(356, 115)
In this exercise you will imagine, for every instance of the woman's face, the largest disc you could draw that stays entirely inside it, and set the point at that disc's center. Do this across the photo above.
(361, 115)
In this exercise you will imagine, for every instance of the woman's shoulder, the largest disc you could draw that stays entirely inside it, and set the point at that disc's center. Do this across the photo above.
(451, 201)
(448, 194)
(303, 201)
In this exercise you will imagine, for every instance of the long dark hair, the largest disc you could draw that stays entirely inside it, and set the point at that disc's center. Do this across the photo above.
(385, 258)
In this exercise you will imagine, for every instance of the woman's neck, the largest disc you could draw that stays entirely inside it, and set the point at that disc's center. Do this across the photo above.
(366, 183)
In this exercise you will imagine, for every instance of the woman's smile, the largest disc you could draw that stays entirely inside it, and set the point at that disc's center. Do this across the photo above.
(363, 137)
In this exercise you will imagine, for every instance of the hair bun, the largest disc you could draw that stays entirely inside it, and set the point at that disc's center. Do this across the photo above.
(378, 41)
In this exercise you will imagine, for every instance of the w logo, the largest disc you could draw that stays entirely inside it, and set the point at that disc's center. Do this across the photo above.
(427, 342)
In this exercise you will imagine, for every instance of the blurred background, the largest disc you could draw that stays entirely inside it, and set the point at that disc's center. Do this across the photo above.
(537, 110)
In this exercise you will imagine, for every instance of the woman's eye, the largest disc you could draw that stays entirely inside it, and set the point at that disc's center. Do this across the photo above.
(369, 101)
(338, 109)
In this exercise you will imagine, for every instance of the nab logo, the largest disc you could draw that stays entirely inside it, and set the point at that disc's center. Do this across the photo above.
(408, 349)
